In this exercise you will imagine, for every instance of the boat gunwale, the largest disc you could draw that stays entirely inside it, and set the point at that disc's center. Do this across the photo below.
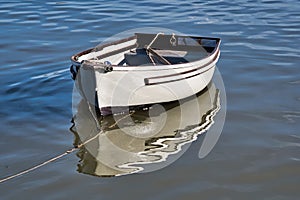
(147, 80)
(75, 57)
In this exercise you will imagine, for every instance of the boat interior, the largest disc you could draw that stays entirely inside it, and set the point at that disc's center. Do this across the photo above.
(152, 49)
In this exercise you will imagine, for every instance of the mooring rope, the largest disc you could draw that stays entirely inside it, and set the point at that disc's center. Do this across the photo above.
(149, 45)
(63, 154)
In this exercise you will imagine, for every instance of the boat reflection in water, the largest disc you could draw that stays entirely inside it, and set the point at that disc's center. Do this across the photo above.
(144, 139)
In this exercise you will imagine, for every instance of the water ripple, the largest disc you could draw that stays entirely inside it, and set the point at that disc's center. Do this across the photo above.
(259, 151)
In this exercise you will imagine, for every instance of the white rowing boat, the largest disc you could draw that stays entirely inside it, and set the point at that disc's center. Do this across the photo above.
(145, 69)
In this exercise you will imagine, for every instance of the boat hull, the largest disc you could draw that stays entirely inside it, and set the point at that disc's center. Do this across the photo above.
(107, 76)
(122, 88)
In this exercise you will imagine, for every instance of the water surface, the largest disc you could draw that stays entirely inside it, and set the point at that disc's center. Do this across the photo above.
(257, 155)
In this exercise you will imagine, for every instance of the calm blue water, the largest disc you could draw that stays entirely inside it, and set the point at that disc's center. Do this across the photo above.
(258, 153)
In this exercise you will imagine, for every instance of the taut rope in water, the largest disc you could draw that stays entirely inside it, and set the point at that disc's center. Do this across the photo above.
(61, 155)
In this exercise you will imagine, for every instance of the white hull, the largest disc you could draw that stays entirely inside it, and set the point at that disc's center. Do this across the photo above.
(127, 87)
(139, 85)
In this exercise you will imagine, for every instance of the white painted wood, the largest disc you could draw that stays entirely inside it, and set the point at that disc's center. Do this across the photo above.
(140, 85)
(105, 50)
